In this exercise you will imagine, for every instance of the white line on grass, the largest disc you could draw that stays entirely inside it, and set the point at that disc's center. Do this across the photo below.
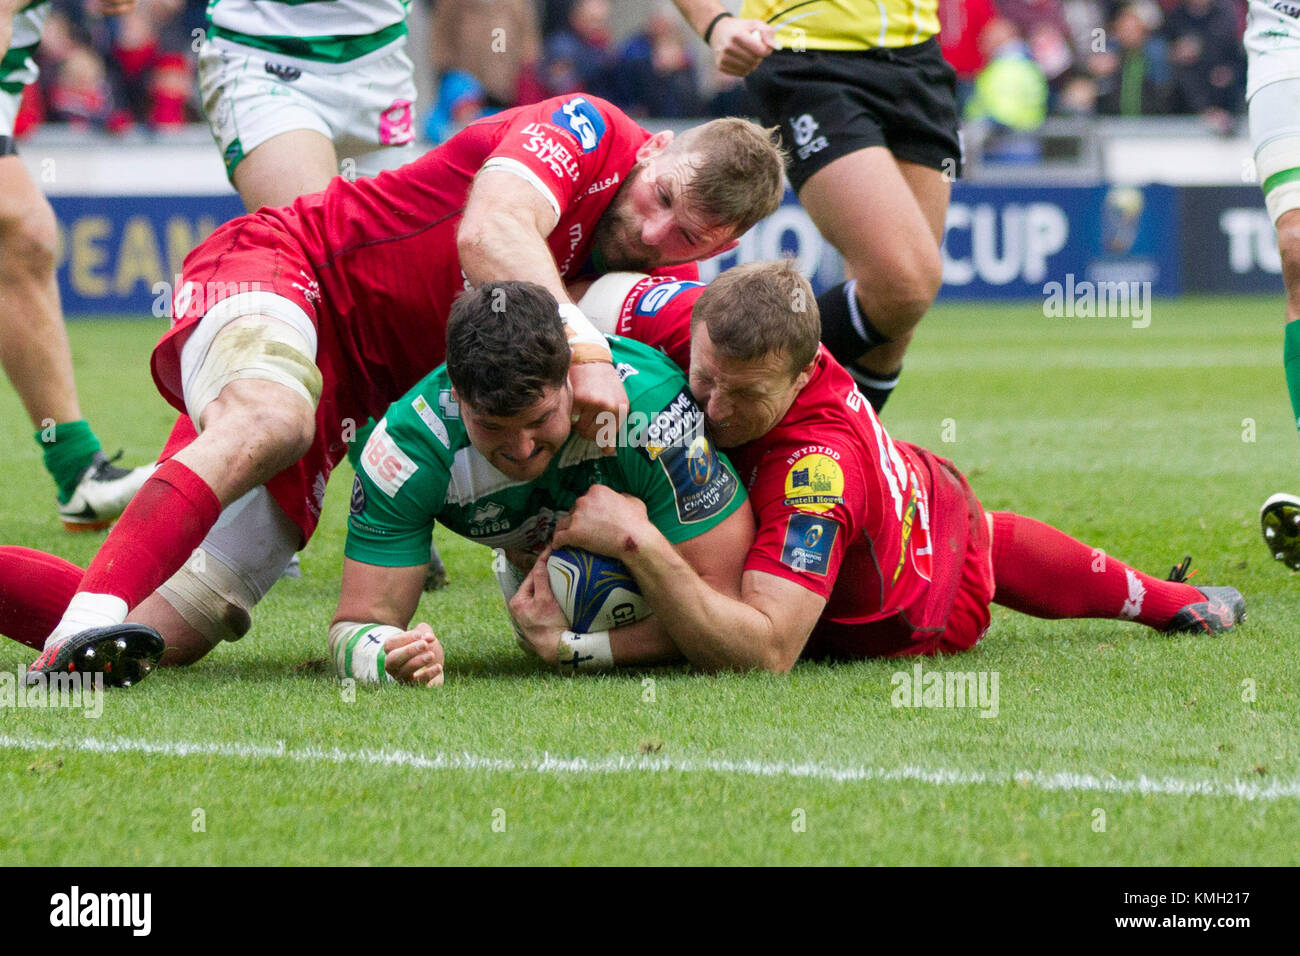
(548, 764)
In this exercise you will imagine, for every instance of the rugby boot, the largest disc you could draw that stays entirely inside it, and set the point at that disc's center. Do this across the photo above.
(1279, 520)
(124, 653)
(102, 494)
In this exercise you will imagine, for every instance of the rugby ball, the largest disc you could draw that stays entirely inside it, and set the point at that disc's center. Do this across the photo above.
(596, 593)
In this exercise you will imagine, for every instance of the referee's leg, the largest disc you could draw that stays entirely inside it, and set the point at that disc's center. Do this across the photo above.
(886, 217)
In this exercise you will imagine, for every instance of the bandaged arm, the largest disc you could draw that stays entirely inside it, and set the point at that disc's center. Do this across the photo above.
(375, 604)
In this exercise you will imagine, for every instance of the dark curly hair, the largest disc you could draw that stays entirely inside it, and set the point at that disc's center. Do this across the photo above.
(505, 346)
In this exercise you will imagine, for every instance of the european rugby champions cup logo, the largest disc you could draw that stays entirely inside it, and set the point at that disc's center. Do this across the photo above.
(1118, 281)
(1120, 217)
(699, 462)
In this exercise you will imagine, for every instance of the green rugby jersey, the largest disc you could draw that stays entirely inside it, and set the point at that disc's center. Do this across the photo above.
(18, 63)
(418, 466)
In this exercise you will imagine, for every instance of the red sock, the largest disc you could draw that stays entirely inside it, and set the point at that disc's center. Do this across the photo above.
(1041, 571)
(182, 434)
(166, 520)
(35, 587)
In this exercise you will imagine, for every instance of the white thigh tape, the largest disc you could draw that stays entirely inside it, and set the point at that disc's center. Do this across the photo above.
(1279, 160)
(211, 598)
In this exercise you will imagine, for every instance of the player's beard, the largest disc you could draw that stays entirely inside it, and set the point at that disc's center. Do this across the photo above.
(618, 233)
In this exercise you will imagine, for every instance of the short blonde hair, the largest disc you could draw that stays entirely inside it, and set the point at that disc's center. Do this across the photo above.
(759, 309)
(738, 171)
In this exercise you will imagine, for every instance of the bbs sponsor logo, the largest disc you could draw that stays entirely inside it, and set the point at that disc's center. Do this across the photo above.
(539, 141)
(583, 120)
(386, 464)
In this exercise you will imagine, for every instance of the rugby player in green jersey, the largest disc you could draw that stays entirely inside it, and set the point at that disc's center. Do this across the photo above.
(484, 445)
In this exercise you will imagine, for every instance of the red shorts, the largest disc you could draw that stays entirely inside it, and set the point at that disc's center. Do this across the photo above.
(244, 255)
(961, 588)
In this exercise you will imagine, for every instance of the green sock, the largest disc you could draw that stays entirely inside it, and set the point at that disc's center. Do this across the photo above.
(69, 449)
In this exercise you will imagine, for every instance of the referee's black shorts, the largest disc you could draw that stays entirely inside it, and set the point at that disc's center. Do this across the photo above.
(830, 103)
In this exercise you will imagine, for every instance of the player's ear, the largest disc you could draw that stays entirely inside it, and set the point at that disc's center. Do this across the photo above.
(727, 248)
(655, 145)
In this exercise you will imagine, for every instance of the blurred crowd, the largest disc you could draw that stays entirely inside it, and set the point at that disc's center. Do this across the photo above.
(1097, 58)
(552, 47)
(115, 73)
(1017, 61)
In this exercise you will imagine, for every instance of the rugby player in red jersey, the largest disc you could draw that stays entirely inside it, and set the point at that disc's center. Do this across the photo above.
(866, 546)
(292, 326)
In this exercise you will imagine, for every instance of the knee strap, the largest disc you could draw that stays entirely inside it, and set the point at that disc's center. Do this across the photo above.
(210, 598)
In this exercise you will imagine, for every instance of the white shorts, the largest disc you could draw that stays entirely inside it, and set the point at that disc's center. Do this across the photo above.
(368, 113)
(27, 26)
(1272, 42)
(8, 112)
(1275, 135)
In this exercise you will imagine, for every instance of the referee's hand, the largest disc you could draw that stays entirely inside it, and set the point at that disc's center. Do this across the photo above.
(740, 45)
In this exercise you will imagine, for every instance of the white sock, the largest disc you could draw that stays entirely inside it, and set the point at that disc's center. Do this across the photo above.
(87, 610)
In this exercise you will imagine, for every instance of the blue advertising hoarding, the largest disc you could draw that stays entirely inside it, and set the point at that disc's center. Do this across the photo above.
(1228, 244)
(121, 254)
(1009, 242)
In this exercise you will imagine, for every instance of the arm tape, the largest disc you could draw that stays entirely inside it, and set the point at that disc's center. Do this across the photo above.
(358, 650)
(585, 340)
(584, 653)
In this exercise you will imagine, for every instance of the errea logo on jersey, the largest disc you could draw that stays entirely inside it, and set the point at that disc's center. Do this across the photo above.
(583, 120)
(386, 464)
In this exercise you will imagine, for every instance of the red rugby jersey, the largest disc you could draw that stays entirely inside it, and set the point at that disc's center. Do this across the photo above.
(383, 250)
(841, 508)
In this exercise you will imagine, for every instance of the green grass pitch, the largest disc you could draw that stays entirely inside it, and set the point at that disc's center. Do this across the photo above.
(1111, 745)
